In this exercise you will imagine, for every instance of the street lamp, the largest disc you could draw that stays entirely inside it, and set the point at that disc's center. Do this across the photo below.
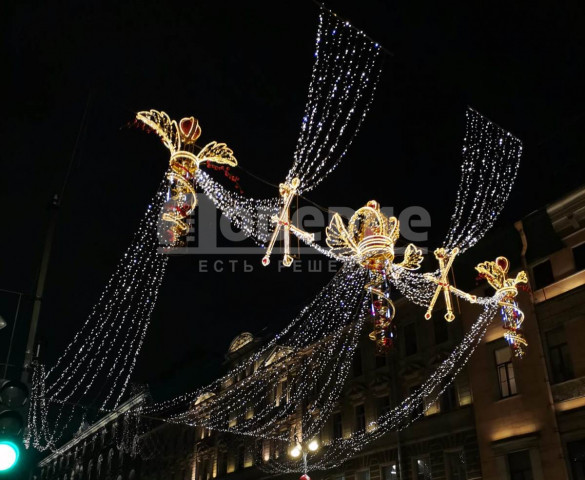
(299, 448)
(2, 322)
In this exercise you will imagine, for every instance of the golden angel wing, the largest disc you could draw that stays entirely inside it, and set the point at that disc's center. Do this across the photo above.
(521, 278)
(217, 153)
(413, 257)
(338, 238)
(492, 272)
(163, 126)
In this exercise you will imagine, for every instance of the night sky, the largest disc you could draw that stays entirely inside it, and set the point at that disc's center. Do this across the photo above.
(243, 68)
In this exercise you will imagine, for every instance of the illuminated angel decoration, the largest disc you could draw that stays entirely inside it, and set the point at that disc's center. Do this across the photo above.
(496, 274)
(369, 240)
(180, 140)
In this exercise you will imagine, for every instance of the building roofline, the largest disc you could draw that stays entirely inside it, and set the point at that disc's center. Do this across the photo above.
(102, 422)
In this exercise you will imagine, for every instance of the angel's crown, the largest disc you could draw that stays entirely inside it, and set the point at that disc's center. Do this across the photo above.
(373, 232)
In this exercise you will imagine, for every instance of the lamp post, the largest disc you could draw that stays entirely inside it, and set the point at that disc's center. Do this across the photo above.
(299, 448)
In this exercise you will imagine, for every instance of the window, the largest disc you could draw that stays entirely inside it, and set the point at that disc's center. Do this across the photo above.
(463, 390)
(337, 426)
(519, 464)
(410, 344)
(422, 468)
(456, 465)
(543, 274)
(241, 456)
(222, 462)
(577, 458)
(558, 353)
(383, 405)
(360, 418)
(284, 392)
(449, 398)
(362, 475)
(389, 472)
(381, 361)
(579, 256)
(440, 329)
(505, 368)
(357, 363)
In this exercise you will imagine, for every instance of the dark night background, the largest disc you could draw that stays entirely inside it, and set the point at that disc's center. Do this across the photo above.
(243, 69)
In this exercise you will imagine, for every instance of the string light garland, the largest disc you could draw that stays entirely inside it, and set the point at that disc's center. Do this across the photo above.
(286, 390)
(491, 158)
(317, 345)
(343, 83)
(96, 365)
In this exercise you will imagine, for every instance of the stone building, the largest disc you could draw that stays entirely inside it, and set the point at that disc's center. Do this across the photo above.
(502, 418)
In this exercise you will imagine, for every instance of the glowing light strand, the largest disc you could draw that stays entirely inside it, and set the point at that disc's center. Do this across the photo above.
(491, 157)
(343, 83)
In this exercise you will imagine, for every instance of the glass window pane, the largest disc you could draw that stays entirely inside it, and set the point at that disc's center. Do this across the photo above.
(423, 469)
(503, 355)
(504, 390)
(389, 472)
(456, 465)
(579, 255)
(543, 274)
(363, 475)
(520, 467)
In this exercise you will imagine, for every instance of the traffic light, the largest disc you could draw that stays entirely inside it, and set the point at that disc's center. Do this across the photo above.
(14, 399)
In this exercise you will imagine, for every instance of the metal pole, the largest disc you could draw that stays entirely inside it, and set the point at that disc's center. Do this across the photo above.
(30, 345)
(56, 203)
(400, 468)
(12, 333)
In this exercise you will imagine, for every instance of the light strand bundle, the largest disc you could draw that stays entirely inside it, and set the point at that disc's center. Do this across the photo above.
(491, 158)
(96, 366)
(345, 75)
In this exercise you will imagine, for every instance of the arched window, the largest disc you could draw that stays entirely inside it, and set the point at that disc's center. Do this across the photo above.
(110, 459)
(99, 466)
(132, 475)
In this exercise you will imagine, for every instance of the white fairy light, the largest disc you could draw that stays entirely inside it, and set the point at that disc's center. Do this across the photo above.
(343, 83)
(491, 158)
(96, 365)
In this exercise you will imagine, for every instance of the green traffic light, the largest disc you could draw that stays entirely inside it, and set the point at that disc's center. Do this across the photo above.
(9, 453)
